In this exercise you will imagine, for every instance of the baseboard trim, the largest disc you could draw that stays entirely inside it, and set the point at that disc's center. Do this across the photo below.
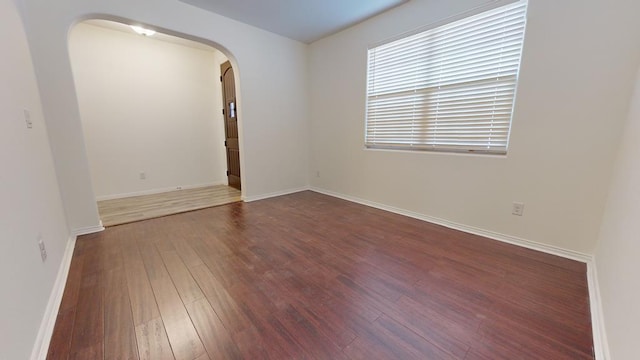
(514, 240)
(87, 230)
(274, 194)
(156, 191)
(41, 346)
(600, 343)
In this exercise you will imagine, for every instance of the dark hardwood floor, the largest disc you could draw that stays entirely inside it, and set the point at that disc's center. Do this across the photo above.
(307, 276)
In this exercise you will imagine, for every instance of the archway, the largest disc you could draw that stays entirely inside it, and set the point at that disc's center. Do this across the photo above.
(150, 111)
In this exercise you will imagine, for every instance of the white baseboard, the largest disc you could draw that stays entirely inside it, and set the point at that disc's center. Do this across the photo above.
(274, 194)
(156, 191)
(549, 249)
(600, 343)
(41, 345)
(87, 230)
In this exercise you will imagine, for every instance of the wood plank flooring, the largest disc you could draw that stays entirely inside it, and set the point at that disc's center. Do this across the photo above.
(307, 276)
(136, 208)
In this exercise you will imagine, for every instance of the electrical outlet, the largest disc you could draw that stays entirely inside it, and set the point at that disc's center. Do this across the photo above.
(27, 118)
(317, 173)
(518, 208)
(143, 175)
(178, 187)
(43, 249)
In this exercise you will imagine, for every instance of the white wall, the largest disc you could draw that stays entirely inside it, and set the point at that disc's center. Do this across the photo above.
(577, 74)
(272, 93)
(30, 204)
(619, 246)
(147, 105)
(577, 71)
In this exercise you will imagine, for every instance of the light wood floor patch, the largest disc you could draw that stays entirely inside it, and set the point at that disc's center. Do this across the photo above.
(136, 208)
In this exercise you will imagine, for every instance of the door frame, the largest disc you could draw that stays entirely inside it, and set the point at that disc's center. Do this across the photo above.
(230, 111)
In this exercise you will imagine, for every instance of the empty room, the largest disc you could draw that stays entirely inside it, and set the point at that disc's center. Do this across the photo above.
(420, 179)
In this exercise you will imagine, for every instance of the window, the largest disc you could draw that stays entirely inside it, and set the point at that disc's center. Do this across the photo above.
(448, 88)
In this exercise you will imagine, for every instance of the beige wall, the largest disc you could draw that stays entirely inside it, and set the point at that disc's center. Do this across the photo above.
(147, 105)
(272, 93)
(619, 247)
(576, 76)
(30, 205)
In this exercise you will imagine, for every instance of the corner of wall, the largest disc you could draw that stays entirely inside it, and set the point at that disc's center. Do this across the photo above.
(41, 345)
(600, 343)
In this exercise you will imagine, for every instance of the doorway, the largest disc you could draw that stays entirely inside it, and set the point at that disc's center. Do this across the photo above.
(150, 108)
(230, 113)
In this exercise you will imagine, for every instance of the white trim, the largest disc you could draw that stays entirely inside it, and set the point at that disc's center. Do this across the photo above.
(514, 240)
(274, 194)
(87, 230)
(41, 346)
(600, 343)
(156, 191)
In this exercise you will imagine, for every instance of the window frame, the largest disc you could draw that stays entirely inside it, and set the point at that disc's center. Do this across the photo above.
(440, 147)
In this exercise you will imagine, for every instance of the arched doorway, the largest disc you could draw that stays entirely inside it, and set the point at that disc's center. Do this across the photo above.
(150, 106)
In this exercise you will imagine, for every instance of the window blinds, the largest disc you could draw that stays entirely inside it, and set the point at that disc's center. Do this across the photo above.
(449, 88)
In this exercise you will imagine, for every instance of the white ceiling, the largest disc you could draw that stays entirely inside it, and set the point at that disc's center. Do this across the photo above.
(302, 20)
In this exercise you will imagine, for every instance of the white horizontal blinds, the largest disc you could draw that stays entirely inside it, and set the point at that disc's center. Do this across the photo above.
(447, 88)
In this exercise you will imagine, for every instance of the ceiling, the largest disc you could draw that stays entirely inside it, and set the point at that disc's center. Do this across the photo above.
(302, 20)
